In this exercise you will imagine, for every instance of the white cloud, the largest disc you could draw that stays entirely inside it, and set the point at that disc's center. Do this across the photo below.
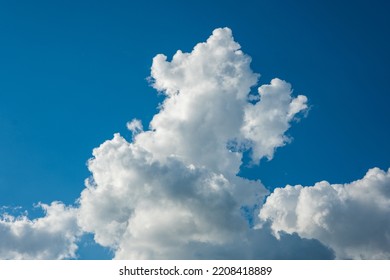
(207, 106)
(173, 191)
(266, 122)
(145, 209)
(135, 126)
(53, 236)
(353, 219)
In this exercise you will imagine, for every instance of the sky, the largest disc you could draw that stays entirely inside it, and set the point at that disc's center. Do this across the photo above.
(269, 127)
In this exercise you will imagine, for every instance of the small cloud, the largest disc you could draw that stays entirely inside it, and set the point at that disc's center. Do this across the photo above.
(53, 236)
(135, 126)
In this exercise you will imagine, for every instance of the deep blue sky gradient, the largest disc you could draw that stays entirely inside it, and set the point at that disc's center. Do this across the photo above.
(72, 73)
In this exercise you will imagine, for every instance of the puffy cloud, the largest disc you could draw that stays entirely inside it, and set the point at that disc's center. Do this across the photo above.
(206, 107)
(266, 122)
(148, 209)
(172, 192)
(53, 236)
(145, 209)
(353, 219)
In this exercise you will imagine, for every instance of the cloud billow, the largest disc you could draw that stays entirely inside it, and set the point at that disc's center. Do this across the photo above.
(172, 191)
(353, 219)
(53, 236)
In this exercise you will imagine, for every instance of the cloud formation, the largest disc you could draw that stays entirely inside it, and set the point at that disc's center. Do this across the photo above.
(353, 219)
(173, 191)
(53, 236)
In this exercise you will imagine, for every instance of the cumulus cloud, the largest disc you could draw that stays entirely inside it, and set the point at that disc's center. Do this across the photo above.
(53, 236)
(145, 209)
(172, 192)
(353, 219)
(207, 106)
(266, 122)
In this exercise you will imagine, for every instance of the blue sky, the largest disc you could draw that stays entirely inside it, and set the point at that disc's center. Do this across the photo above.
(74, 73)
